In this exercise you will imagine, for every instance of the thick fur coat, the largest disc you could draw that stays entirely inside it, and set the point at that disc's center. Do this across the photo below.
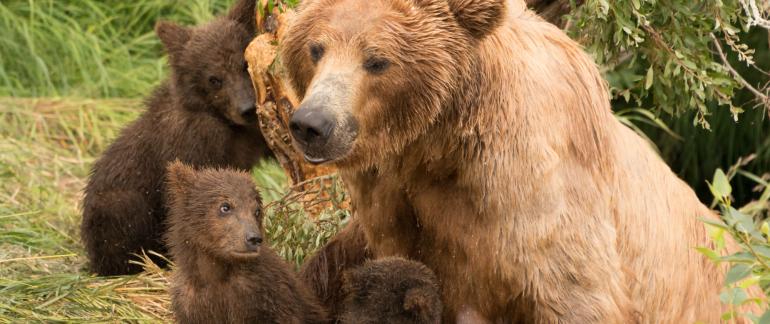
(478, 139)
(224, 273)
(324, 271)
(391, 290)
(204, 115)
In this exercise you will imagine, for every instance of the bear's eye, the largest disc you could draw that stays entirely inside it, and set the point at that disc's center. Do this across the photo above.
(245, 67)
(215, 82)
(376, 65)
(316, 52)
(257, 213)
(225, 208)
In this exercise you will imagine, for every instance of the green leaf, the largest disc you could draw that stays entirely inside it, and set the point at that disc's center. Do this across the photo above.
(744, 257)
(736, 273)
(742, 222)
(734, 296)
(648, 79)
(709, 253)
(762, 250)
(748, 282)
(714, 222)
(721, 187)
(750, 317)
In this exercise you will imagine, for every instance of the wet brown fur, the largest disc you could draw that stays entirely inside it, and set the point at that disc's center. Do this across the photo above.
(186, 119)
(323, 272)
(501, 167)
(214, 281)
(391, 290)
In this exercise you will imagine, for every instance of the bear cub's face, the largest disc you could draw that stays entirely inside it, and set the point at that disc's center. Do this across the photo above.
(209, 69)
(375, 75)
(215, 210)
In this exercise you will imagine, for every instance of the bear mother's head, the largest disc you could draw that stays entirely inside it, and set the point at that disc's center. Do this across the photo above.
(375, 75)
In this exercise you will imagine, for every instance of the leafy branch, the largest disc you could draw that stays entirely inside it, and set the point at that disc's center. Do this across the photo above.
(763, 98)
(660, 53)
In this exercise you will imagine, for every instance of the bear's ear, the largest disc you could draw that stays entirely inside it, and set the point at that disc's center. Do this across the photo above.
(244, 12)
(179, 178)
(479, 17)
(173, 36)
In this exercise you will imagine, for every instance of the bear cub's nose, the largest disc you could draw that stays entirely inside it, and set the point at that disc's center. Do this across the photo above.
(311, 126)
(253, 241)
(248, 112)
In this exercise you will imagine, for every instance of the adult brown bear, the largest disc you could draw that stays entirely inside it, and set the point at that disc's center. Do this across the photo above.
(478, 139)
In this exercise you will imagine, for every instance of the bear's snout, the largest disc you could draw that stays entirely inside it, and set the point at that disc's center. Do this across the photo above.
(248, 111)
(312, 127)
(253, 240)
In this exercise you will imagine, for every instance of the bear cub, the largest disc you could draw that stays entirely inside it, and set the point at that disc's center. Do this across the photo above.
(323, 272)
(391, 290)
(225, 273)
(204, 115)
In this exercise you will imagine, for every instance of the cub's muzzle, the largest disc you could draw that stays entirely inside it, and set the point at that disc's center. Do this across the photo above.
(253, 240)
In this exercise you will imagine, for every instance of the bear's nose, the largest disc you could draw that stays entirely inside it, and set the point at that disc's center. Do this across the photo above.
(253, 241)
(311, 126)
(248, 111)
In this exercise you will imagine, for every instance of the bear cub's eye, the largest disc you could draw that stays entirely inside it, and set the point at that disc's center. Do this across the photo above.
(225, 208)
(257, 213)
(245, 67)
(215, 82)
(376, 65)
(316, 52)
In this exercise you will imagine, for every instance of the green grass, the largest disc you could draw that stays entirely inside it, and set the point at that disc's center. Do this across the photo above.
(88, 48)
(46, 149)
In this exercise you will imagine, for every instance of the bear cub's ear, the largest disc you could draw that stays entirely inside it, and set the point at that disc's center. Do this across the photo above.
(179, 177)
(173, 36)
(244, 12)
(479, 17)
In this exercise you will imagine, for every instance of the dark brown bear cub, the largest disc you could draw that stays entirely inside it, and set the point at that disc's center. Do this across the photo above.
(323, 272)
(203, 115)
(224, 272)
(391, 290)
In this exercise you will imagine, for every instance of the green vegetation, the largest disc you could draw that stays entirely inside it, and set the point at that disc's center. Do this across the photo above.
(700, 66)
(749, 265)
(88, 48)
(47, 147)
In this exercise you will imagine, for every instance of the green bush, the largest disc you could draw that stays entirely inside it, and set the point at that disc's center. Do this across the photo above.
(749, 265)
(664, 56)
